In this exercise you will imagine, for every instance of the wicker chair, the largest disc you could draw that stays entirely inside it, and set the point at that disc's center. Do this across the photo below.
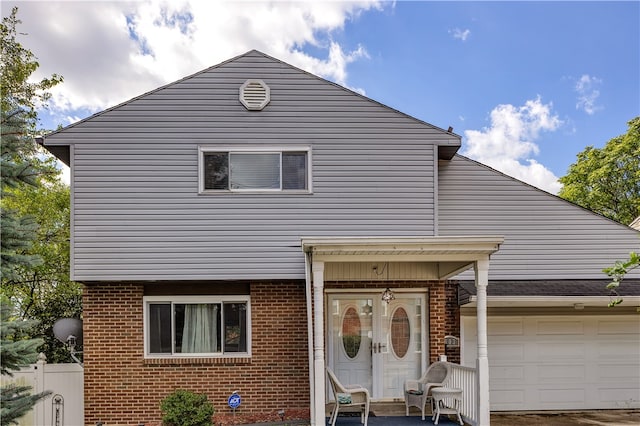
(418, 392)
(348, 396)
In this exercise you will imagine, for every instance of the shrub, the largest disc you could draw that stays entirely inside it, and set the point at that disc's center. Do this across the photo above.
(186, 408)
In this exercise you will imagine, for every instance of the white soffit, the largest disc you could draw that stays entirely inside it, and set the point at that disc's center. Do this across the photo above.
(254, 94)
(426, 249)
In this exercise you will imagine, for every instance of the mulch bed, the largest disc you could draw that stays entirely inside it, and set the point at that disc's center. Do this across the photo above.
(227, 419)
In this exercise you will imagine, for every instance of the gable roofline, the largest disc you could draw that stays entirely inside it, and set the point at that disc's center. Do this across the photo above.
(629, 228)
(142, 95)
(366, 98)
(446, 150)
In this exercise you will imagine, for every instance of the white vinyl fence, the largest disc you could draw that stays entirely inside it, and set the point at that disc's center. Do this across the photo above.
(65, 405)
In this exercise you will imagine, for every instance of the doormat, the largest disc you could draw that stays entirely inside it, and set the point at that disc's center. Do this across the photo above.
(353, 414)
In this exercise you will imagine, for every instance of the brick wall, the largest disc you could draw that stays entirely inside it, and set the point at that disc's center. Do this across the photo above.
(121, 388)
(452, 315)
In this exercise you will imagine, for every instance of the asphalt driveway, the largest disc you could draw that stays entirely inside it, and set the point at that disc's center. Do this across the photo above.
(578, 418)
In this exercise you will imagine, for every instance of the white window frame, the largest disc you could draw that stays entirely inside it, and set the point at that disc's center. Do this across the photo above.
(230, 149)
(147, 300)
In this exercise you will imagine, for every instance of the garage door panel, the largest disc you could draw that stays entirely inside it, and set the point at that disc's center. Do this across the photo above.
(610, 327)
(508, 328)
(562, 396)
(509, 396)
(506, 373)
(618, 350)
(620, 397)
(512, 352)
(552, 351)
(560, 362)
(618, 372)
(559, 327)
(559, 373)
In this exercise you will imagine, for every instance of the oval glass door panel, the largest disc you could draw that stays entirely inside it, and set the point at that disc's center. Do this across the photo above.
(400, 332)
(351, 329)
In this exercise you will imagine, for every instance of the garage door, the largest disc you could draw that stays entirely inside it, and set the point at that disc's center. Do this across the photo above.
(560, 362)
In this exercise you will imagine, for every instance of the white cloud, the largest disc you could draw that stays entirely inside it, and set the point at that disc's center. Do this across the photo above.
(508, 143)
(588, 93)
(109, 52)
(65, 175)
(460, 34)
(72, 119)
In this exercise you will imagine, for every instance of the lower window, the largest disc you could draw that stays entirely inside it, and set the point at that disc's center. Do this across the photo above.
(200, 326)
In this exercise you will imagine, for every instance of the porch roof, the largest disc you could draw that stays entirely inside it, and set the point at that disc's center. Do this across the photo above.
(452, 254)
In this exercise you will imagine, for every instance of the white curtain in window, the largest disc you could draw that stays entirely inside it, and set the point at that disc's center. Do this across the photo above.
(255, 171)
(199, 334)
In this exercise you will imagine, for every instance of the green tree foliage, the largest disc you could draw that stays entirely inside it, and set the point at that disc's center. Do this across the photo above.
(34, 205)
(17, 232)
(617, 272)
(45, 292)
(16, 351)
(21, 167)
(607, 180)
(19, 163)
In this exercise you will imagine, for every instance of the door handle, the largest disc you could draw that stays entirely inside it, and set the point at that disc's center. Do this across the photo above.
(378, 347)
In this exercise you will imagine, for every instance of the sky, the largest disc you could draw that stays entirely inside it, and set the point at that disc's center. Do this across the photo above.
(528, 85)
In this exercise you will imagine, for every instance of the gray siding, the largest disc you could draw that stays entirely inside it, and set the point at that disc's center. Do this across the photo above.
(545, 237)
(137, 211)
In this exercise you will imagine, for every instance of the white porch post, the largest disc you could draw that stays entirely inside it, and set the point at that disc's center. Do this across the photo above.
(318, 343)
(482, 363)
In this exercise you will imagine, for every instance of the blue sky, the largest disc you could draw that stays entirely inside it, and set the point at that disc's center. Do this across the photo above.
(528, 85)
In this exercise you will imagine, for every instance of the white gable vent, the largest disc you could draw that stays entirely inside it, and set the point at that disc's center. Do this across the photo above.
(254, 95)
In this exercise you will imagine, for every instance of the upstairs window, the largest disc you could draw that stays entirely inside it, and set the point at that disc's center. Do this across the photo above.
(254, 170)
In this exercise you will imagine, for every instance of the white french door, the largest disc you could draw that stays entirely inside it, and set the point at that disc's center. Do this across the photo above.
(375, 344)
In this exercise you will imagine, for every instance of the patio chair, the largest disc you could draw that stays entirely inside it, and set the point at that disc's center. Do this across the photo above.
(348, 396)
(418, 392)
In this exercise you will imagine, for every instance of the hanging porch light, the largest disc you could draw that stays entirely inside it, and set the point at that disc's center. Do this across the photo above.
(387, 295)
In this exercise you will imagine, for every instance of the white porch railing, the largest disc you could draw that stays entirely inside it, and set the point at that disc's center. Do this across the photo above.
(465, 378)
